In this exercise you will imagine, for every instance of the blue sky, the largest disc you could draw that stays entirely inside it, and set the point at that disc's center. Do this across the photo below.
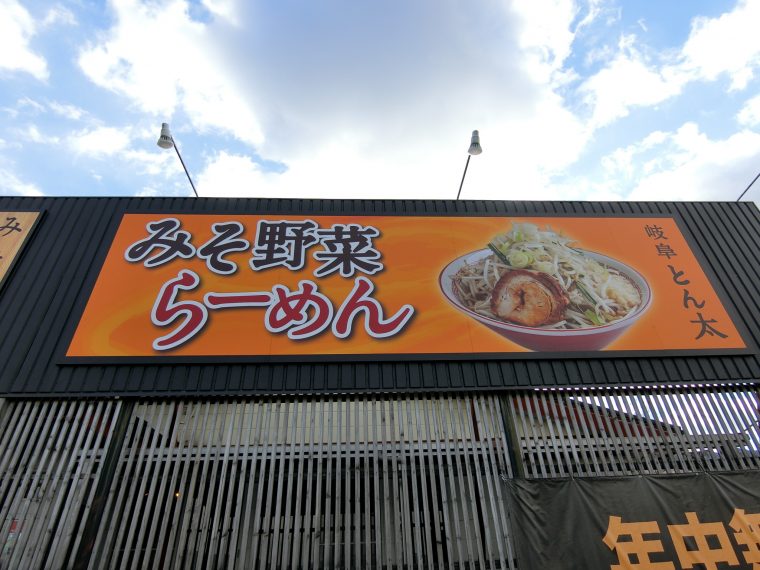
(591, 100)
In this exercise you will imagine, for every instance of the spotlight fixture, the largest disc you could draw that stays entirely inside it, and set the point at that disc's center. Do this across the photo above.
(474, 149)
(166, 141)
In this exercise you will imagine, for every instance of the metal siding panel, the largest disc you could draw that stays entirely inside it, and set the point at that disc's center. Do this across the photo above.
(736, 270)
(22, 298)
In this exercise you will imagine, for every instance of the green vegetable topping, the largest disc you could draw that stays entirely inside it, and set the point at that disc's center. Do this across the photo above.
(594, 318)
(520, 259)
(498, 253)
(585, 292)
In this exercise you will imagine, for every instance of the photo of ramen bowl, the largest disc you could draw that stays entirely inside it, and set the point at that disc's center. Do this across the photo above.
(548, 338)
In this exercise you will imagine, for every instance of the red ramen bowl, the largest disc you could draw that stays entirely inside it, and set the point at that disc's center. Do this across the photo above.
(552, 340)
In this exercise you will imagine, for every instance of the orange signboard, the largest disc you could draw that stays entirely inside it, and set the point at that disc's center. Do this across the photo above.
(209, 286)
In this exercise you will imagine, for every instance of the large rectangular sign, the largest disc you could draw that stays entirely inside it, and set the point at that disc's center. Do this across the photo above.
(212, 286)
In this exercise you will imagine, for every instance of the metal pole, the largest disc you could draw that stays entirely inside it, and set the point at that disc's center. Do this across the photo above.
(466, 164)
(748, 187)
(185, 167)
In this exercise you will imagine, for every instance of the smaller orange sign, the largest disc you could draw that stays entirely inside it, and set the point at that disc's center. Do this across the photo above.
(15, 227)
(221, 285)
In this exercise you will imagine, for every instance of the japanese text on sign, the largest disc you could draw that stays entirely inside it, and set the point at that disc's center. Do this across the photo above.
(695, 542)
(705, 324)
(302, 313)
(14, 229)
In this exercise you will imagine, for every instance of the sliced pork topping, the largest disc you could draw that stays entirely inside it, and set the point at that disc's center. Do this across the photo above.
(529, 298)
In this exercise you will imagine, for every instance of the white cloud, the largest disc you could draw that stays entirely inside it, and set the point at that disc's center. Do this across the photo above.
(31, 133)
(226, 9)
(59, 15)
(347, 111)
(379, 102)
(28, 103)
(622, 162)
(99, 142)
(123, 147)
(17, 27)
(684, 164)
(14, 144)
(728, 44)
(152, 163)
(229, 174)
(350, 114)
(629, 80)
(749, 115)
(151, 191)
(177, 68)
(68, 111)
(544, 34)
(339, 167)
(518, 160)
(691, 166)
(11, 184)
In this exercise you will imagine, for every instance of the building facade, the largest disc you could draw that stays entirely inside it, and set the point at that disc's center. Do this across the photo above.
(164, 409)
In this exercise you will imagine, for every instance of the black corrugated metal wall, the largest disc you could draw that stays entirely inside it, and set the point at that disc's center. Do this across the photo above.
(62, 259)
